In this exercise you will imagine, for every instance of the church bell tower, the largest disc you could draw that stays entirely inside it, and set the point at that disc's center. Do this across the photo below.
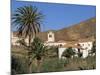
(51, 37)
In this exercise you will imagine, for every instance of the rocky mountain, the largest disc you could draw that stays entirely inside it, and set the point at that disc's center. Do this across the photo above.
(82, 30)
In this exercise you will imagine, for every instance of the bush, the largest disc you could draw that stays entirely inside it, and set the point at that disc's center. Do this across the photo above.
(79, 55)
(52, 52)
(18, 65)
(53, 65)
(93, 48)
(81, 64)
(68, 52)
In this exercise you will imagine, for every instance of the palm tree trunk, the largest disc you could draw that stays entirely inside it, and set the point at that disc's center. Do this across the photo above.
(30, 68)
(29, 57)
(29, 41)
(38, 65)
(30, 61)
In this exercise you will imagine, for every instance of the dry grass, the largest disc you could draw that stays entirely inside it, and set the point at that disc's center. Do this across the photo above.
(53, 64)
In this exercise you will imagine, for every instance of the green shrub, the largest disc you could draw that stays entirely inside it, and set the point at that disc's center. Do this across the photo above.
(93, 48)
(52, 52)
(53, 65)
(18, 65)
(68, 52)
(80, 64)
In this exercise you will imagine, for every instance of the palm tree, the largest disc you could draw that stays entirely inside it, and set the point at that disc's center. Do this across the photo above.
(27, 20)
(37, 52)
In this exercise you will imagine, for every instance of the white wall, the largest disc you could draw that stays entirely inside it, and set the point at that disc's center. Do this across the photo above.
(54, 44)
(85, 53)
(87, 46)
(14, 40)
(60, 52)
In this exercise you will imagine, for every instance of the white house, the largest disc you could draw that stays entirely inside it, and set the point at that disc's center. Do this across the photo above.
(68, 45)
(84, 46)
(14, 39)
(51, 40)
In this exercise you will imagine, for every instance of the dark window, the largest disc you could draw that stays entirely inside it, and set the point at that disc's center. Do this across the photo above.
(60, 45)
(78, 44)
(88, 44)
(50, 36)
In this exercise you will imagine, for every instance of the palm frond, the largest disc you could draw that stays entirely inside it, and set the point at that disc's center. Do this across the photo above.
(28, 20)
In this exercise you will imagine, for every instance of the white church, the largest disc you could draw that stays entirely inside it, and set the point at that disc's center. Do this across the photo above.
(84, 46)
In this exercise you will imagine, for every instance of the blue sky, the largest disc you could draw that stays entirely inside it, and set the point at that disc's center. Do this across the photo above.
(58, 16)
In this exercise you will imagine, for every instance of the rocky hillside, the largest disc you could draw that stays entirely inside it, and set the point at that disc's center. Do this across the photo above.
(82, 30)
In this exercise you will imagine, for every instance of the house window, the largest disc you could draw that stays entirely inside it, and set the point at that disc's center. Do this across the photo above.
(78, 44)
(50, 36)
(88, 44)
(60, 45)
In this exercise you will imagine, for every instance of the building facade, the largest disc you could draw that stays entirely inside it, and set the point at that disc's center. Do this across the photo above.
(83, 47)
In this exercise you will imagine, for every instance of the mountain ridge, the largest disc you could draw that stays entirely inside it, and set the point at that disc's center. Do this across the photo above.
(82, 30)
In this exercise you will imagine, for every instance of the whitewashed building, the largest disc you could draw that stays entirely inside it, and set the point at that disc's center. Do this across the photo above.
(51, 40)
(14, 39)
(84, 46)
